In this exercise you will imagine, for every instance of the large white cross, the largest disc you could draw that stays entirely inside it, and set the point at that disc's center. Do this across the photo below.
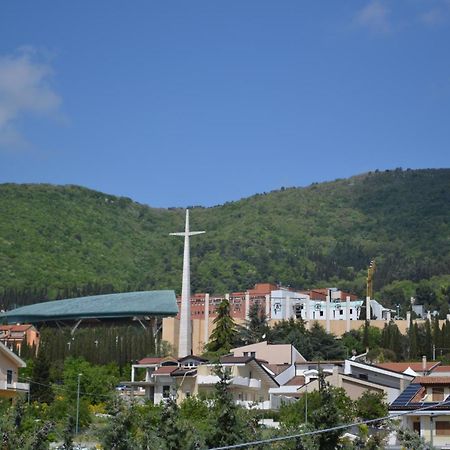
(185, 335)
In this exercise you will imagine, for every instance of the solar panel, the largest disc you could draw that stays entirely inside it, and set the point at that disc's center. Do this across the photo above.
(407, 395)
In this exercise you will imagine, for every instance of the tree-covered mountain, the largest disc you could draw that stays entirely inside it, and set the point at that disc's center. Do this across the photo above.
(62, 241)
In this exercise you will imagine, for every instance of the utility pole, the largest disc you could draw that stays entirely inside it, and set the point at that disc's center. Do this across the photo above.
(78, 403)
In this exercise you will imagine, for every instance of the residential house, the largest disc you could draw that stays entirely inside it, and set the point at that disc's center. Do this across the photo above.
(15, 336)
(10, 363)
(424, 406)
(169, 377)
(250, 381)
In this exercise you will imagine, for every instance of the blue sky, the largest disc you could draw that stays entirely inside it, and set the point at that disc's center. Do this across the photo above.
(180, 103)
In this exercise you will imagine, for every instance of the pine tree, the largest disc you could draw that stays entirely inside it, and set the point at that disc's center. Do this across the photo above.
(223, 336)
(40, 389)
(226, 426)
(256, 328)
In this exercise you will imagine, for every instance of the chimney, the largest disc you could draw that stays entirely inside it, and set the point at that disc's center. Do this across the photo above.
(424, 364)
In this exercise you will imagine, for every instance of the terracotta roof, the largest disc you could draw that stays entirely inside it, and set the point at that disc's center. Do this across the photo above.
(432, 380)
(192, 372)
(277, 368)
(236, 359)
(400, 367)
(419, 396)
(152, 360)
(296, 381)
(165, 370)
(441, 369)
(15, 327)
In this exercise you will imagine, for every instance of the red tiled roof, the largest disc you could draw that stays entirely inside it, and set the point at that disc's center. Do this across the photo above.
(432, 380)
(441, 369)
(296, 381)
(236, 359)
(419, 396)
(165, 370)
(152, 360)
(277, 368)
(400, 367)
(15, 327)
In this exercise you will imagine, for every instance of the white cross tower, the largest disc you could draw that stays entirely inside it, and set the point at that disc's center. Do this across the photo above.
(185, 337)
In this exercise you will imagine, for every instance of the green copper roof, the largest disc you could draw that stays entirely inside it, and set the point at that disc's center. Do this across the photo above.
(109, 306)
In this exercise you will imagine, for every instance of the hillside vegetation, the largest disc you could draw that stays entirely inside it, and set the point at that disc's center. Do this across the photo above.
(63, 241)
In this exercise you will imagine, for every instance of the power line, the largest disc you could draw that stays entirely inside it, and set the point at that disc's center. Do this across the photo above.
(63, 388)
(327, 430)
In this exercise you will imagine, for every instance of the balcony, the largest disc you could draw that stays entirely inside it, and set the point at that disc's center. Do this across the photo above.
(14, 386)
(246, 382)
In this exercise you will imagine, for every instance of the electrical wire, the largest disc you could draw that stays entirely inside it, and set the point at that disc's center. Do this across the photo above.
(327, 430)
(62, 388)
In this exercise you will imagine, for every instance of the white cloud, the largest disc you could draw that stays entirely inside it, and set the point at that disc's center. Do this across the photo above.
(375, 16)
(25, 89)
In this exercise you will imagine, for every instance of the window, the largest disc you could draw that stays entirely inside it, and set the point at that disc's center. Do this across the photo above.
(442, 428)
(9, 377)
(166, 391)
(252, 353)
(438, 394)
(416, 426)
(321, 313)
(341, 312)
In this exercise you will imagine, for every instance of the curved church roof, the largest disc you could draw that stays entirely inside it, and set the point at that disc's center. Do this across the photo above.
(108, 306)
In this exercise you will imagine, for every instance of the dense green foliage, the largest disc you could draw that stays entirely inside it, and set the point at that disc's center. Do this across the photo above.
(223, 337)
(68, 241)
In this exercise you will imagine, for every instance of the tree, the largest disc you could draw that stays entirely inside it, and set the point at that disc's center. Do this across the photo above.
(293, 332)
(41, 390)
(256, 328)
(223, 336)
(410, 440)
(324, 345)
(119, 434)
(371, 405)
(225, 425)
(327, 416)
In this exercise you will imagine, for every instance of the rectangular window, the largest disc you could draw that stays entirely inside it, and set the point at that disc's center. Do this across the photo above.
(252, 353)
(321, 313)
(166, 391)
(341, 312)
(416, 426)
(438, 394)
(442, 428)
(9, 377)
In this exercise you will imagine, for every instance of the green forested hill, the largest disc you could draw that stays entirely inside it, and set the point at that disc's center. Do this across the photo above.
(59, 241)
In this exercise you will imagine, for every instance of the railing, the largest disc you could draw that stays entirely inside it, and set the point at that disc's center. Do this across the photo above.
(14, 386)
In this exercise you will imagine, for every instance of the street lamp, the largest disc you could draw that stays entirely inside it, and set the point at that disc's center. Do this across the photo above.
(78, 403)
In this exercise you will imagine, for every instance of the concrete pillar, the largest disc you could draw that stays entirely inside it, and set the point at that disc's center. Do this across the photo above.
(247, 306)
(268, 306)
(327, 312)
(429, 315)
(347, 314)
(368, 309)
(288, 308)
(388, 316)
(408, 318)
(206, 324)
(308, 312)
